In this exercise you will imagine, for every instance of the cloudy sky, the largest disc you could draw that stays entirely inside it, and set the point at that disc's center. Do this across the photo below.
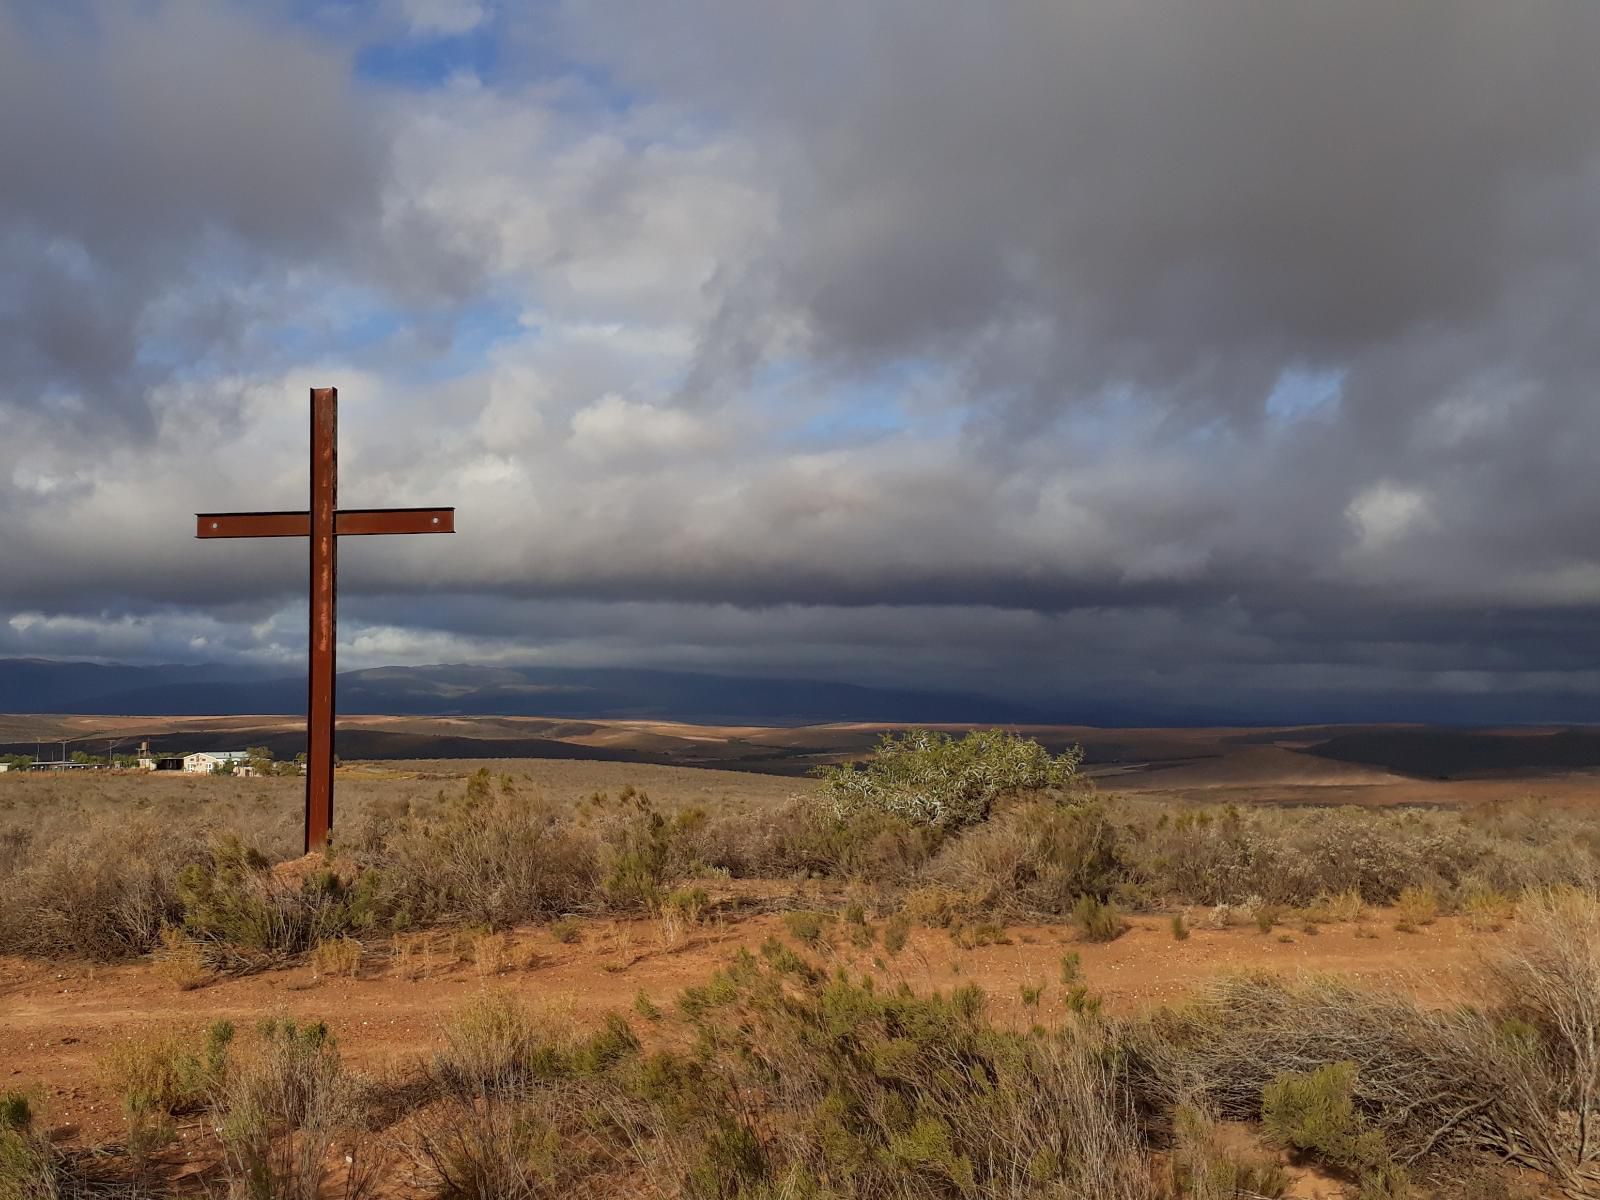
(1232, 355)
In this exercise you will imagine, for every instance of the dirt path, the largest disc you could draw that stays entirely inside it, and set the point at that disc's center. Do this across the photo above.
(56, 1022)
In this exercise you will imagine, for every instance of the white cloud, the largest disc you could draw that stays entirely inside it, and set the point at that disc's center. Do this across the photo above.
(601, 219)
(444, 17)
(699, 409)
(613, 427)
(1386, 513)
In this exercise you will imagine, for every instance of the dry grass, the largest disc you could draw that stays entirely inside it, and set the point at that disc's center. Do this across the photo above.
(489, 851)
(1210, 1163)
(31, 1167)
(681, 913)
(791, 1077)
(283, 1109)
(1345, 907)
(568, 930)
(490, 858)
(181, 960)
(1548, 978)
(337, 956)
(1518, 1077)
(1487, 910)
(161, 1076)
(1416, 907)
(489, 1044)
(799, 1081)
(413, 954)
(103, 891)
(491, 954)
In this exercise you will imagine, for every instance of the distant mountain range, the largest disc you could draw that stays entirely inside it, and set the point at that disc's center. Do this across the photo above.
(47, 686)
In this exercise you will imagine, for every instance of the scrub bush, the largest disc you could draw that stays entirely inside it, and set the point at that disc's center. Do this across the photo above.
(932, 779)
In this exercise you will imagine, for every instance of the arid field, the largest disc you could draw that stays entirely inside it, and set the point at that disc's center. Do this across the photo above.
(1202, 967)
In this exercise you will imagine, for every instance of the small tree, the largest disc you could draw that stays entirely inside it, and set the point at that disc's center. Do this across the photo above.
(260, 759)
(930, 778)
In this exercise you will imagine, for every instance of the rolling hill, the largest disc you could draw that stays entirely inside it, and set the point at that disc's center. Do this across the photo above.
(40, 686)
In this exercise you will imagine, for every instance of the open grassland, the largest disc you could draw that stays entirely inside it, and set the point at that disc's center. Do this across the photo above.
(38, 807)
(1371, 765)
(962, 972)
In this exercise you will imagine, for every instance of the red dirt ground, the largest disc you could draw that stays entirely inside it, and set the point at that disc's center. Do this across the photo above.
(56, 1021)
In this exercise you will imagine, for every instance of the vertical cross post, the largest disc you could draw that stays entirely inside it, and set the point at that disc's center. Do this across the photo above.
(324, 574)
(322, 525)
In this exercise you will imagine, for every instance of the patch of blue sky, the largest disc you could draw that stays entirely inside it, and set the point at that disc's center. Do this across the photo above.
(477, 329)
(386, 50)
(779, 374)
(1301, 394)
(424, 63)
(501, 51)
(535, 48)
(436, 345)
(600, 89)
(813, 407)
(345, 327)
(855, 414)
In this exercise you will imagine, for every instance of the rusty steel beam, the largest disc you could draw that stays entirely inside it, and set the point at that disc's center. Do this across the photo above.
(347, 522)
(324, 548)
(252, 524)
(322, 525)
(361, 522)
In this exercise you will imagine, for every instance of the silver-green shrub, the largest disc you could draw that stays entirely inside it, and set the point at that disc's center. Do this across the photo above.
(930, 778)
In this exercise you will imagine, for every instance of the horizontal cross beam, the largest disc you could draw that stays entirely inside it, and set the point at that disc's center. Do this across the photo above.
(347, 522)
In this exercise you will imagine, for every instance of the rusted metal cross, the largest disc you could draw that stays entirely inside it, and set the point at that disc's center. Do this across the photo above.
(324, 524)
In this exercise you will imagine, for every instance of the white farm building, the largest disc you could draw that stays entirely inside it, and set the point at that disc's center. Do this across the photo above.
(206, 762)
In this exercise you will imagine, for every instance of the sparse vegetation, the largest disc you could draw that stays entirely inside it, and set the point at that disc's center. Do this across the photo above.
(896, 931)
(1313, 1112)
(336, 956)
(282, 1110)
(985, 827)
(793, 1080)
(932, 779)
(1516, 1077)
(104, 893)
(1206, 1165)
(1266, 916)
(1486, 909)
(489, 858)
(1415, 907)
(807, 927)
(162, 1077)
(1097, 920)
(30, 1168)
(780, 1076)
(182, 960)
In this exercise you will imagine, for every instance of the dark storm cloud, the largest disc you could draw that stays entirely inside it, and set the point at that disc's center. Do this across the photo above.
(1153, 214)
(1228, 350)
(1185, 193)
(155, 154)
